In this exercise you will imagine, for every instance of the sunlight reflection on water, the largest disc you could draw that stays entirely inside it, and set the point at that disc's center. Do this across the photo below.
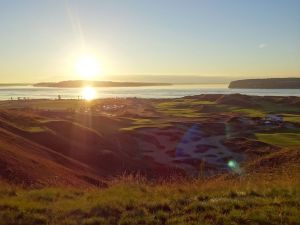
(173, 91)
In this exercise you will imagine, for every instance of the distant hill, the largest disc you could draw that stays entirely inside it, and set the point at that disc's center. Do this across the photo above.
(81, 83)
(269, 83)
(13, 84)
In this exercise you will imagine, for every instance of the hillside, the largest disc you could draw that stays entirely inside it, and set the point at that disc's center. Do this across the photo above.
(14, 84)
(208, 158)
(265, 197)
(81, 83)
(95, 140)
(270, 83)
(41, 151)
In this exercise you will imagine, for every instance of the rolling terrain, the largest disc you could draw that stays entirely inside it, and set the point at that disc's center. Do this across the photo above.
(94, 140)
(214, 158)
(80, 83)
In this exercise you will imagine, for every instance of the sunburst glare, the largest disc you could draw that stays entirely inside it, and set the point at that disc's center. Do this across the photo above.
(87, 67)
(89, 93)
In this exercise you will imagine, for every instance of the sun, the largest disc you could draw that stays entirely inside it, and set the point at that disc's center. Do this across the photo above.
(87, 67)
(88, 93)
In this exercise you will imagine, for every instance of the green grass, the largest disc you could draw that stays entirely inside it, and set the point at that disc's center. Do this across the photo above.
(45, 104)
(186, 113)
(144, 123)
(56, 105)
(181, 108)
(137, 202)
(249, 112)
(280, 139)
(270, 107)
(188, 108)
(24, 122)
(291, 118)
(34, 129)
(265, 107)
(134, 127)
(184, 102)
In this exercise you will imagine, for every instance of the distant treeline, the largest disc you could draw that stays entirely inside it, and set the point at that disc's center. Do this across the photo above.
(81, 83)
(269, 83)
(13, 84)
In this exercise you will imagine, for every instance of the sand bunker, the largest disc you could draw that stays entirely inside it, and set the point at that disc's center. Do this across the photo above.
(187, 148)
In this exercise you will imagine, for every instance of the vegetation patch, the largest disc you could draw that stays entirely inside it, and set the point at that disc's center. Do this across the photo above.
(137, 123)
(133, 201)
(179, 109)
(280, 139)
(294, 118)
(249, 112)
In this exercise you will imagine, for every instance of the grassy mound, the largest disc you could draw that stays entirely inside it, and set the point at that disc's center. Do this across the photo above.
(280, 139)
(130, 200)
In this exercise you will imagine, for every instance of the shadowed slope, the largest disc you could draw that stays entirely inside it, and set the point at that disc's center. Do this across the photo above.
(27, 163)
(42, 151)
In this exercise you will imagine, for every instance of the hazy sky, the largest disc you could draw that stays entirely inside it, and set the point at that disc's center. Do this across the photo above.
(41, 40)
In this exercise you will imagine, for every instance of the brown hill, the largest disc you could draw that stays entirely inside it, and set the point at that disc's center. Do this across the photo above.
(237, 100)
(252, 148)
(82, 83)
(39, 150)
(27, 163)
(284, 160)
(267, 83)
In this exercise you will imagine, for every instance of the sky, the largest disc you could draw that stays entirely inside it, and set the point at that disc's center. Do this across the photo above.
(149, 39)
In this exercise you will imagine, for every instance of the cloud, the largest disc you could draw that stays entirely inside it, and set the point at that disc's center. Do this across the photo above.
(263, 45)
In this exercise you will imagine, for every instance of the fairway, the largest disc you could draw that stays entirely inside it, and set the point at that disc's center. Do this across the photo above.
(280, 139)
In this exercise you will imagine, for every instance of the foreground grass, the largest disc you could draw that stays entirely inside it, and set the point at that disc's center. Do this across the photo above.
(134, 201)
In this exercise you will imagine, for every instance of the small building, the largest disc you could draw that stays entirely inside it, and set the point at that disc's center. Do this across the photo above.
(273, 118)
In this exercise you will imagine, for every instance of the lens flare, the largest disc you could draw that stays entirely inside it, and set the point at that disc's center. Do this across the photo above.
(87, 67)
(89, 93)
(234, 166)
(188, 138)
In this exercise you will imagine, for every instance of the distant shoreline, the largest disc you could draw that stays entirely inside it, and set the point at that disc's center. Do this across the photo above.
(269, 83)
(149, 85)
(82, 83)
(14, 84)
(171, 91)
